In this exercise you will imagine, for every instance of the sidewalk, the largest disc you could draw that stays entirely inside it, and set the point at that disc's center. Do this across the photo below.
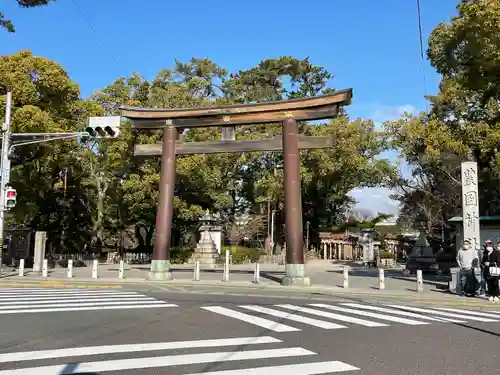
(326, 279)
(320, 275)
(249, 289)
(323, 281)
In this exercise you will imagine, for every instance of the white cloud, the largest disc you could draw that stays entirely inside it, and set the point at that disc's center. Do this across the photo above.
(390, 113)
(380, 113)
(375, 199)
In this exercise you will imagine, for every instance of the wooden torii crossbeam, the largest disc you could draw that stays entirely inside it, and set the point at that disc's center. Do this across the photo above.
(173, 121)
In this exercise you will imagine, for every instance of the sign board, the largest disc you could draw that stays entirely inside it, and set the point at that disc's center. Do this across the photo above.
(103, 121)
(5, 173)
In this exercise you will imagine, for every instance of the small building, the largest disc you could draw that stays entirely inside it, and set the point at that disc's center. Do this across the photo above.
(340, 246)
(489, 228)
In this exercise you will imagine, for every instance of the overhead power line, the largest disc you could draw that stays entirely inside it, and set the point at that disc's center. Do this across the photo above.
(89, 24)
(421, 40)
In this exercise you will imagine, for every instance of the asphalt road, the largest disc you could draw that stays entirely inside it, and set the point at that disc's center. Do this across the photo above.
(361, 337)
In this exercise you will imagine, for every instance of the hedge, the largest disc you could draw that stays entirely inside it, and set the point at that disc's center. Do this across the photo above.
(240, 254)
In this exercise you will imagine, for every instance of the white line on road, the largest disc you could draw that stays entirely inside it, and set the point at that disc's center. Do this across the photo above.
(491, 314)
(371, 315)
(76, 293)
(255, 320)
(403, 313)
(343, 318)
(81, 304)
(442, 313)
(90, 308)
(51, 289)
(133, 348)
(294, 317)
(75, 300)
(314, 368)
(42, 289)
(153, 362)
(33, 298)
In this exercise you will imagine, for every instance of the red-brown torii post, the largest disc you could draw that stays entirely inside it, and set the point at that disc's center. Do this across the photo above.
(288, 112)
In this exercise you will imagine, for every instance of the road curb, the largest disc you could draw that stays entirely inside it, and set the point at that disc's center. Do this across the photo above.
(234, 286)
(252, 291)
(334, 290)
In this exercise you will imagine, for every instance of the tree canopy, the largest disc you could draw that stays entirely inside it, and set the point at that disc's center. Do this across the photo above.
(463, 120)
(98, 194)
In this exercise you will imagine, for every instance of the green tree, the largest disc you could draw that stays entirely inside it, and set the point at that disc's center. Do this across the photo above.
(463, 121)
(45, 100)
(8, 25)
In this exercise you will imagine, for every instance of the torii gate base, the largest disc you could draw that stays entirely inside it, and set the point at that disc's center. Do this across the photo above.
(172, 121)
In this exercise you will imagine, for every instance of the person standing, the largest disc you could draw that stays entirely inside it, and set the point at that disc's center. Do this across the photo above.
(491, 261)
(467, 259)
(488, 246)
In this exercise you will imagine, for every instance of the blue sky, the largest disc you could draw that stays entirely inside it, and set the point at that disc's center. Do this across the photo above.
(371, 46)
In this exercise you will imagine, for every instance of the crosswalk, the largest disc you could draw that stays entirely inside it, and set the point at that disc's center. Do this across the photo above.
(345, 315)
(41, 300)
(244, 359)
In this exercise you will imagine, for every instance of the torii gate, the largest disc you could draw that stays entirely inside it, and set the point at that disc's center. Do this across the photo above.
(173, 121)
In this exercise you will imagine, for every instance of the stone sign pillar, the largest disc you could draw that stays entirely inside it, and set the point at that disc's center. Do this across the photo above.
(367, 245)
(40, 240)
(470, 204)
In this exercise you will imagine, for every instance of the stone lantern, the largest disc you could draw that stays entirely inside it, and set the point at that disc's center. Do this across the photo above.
(206, 251)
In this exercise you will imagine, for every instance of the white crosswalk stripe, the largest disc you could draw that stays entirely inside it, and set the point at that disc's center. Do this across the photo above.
(403, 313)
(443, 313)
(294, 317)
(326, 314)
(39, 300)
(24, 363)
(255, 320)
(489, 314)
(371, 315)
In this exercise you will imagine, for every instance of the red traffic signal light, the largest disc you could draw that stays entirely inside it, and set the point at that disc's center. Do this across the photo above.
(10, 199)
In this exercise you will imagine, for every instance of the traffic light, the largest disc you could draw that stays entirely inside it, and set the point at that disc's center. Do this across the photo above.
(104, 127)
(10, 198)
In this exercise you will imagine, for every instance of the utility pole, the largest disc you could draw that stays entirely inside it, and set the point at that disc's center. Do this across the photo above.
(307, 235)
(272, 230)
(5, 169)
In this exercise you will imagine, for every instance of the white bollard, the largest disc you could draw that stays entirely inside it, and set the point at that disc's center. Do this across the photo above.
(256, 273)
(196, 276)
(225, 274)
(420, 281)
(381, 279)
(45, 268)
(346, 278)
(94, 269)
(21, 267)
(120, 271)
(69, 271)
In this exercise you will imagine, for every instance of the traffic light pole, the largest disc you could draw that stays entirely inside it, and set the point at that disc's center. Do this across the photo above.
(5, 168)
(6, 149)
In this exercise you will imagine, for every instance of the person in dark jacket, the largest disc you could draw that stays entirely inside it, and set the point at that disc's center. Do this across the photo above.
(491, 258)
(488, 246)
